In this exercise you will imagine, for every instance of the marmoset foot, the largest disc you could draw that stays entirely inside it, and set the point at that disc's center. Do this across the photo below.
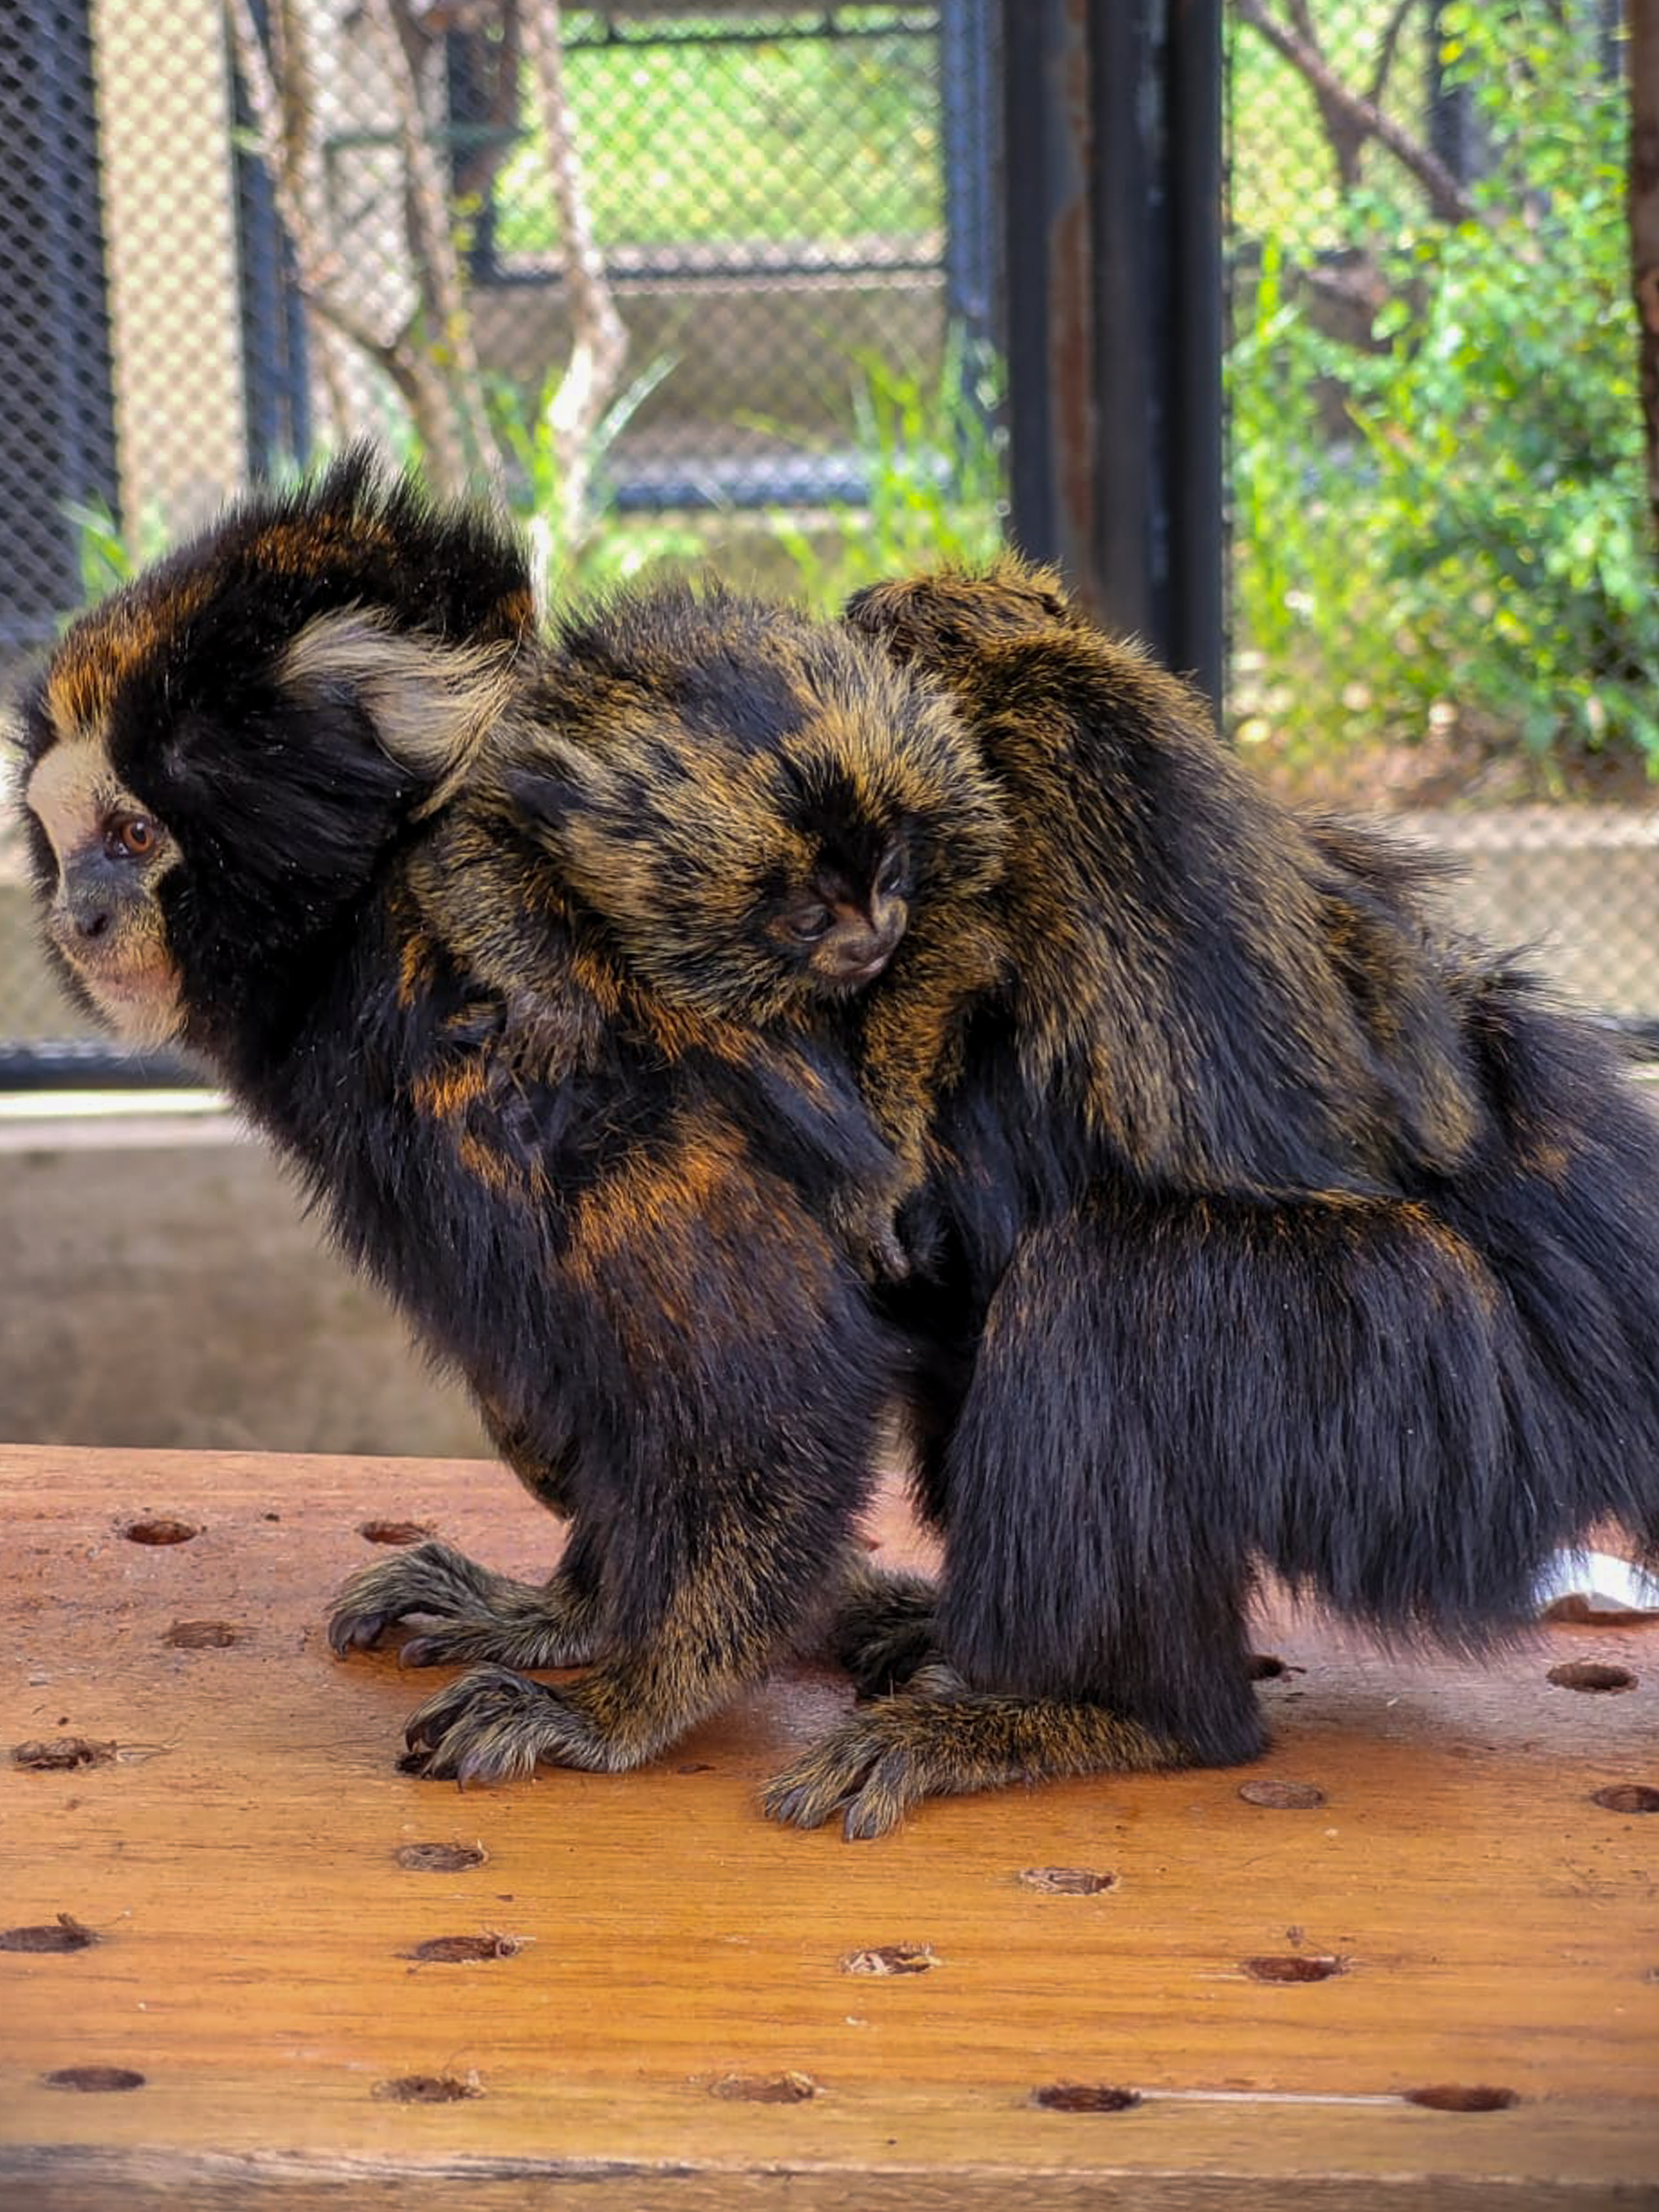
(494, 1725)
(939, 1738)
(485, 1616)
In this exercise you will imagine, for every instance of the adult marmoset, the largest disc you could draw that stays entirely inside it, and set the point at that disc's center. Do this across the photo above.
(264, 825)
(1266, 1225)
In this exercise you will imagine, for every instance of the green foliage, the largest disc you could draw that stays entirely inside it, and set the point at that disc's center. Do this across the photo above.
(1451, 522)
(613, 548)
(932, 459)
(104, 558)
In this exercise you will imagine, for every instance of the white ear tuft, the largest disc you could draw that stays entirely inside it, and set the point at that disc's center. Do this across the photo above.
(430, 704)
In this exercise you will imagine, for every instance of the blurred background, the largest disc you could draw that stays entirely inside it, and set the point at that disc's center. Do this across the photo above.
(1302, 332)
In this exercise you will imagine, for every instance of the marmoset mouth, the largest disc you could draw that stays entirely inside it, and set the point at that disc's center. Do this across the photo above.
(138, 998)
(855, 979)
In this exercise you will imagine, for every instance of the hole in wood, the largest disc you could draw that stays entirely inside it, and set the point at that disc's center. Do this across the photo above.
(202, 1636)
(1282, 1796)
(1066, 1881)
(791, 2088)
(1459, 2097)
(441, 1858)
(892, 1959)
(61, 1754)
(426, 2089)
(66, 1933)
(94, 2078)
(160, 1530)
(1591, 1674)
(1085, 2097)
(457, 1950)
(394, 1532)
(1265, 1667)
(1627, 1797)
(1291, 1968)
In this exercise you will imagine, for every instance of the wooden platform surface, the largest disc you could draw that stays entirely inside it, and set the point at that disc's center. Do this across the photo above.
(674, 2005)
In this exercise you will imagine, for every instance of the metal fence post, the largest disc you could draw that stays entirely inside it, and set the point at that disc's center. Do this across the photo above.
(1114, 308)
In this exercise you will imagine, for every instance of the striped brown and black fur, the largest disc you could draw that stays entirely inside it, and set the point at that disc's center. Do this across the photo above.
(1264, 1222)
(698, 765)
(264, 825)
(1281, 1228)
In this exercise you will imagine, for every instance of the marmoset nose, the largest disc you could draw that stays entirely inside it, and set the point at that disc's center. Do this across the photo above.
(861, 955)
(92, 922)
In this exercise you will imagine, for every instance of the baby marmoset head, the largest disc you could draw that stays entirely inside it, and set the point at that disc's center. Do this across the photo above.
(759, 806)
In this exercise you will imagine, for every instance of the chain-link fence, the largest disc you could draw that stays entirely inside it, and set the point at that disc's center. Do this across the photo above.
(684, 283)
(1443, 573)
(235, 233)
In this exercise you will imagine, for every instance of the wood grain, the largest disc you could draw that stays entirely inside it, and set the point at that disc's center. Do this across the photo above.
(663, 2011)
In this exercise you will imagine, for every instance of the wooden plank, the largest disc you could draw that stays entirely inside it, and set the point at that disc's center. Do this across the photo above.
(669, 2020)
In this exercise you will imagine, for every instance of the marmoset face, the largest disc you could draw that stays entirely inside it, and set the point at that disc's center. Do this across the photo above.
(110, 854)
(837, 929)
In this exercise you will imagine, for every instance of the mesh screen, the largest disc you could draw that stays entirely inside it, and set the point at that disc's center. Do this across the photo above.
(1442, 569)
(234, 234)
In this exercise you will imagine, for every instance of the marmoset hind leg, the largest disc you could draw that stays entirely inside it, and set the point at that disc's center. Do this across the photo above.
(885, 1627)
(484, 1616)
(1091, 1618)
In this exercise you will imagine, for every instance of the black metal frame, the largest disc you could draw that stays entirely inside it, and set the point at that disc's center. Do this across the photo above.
(275, 362)
(1112, 208)
(59, 426)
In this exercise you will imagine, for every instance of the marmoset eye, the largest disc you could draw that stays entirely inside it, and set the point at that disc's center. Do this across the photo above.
(809, 923)
(132, 837)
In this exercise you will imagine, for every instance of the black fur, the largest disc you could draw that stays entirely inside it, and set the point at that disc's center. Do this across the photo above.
(579, 1207)
(1323, 1243)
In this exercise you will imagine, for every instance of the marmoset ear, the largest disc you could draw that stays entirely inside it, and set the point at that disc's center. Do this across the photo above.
(429, 703)
(563, 786)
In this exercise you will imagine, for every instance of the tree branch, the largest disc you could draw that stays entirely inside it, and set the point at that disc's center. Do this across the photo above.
(1362, 117)
(598, 335)
(452, 357)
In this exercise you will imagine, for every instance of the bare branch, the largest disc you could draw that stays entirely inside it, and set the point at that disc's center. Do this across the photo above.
(1360, 117)
(1404, 11)
(452, 354)
(283, 120)
(599, 336)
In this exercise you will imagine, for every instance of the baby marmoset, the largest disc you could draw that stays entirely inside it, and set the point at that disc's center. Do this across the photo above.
(1275, 1226)
(765, 812)
(263, 823)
